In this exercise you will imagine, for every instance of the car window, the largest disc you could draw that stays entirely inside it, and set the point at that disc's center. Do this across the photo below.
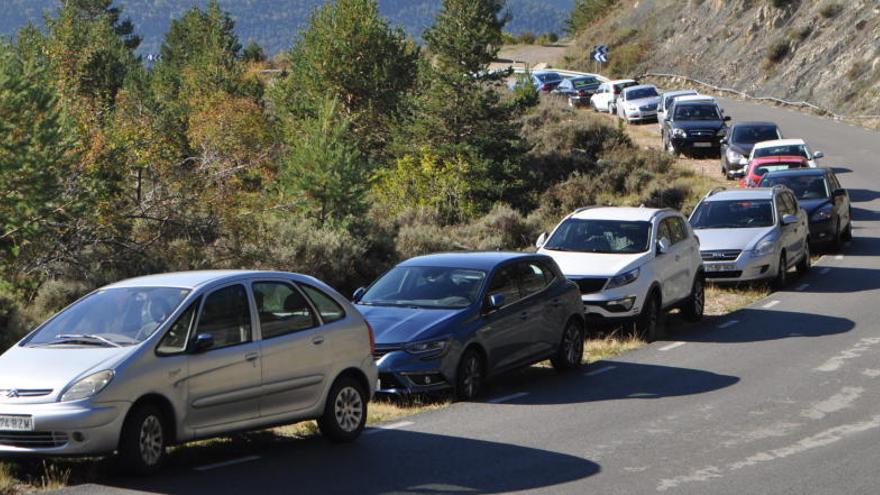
(746, 134)
(733, 214)
(282, 309)
(532, 278)
(636, 94)
(783, 205)
(329, 309)
(760, 170)
(426, 287)
(784, 150)
(177, 336)
(698, 111)
(804, 186)
(226, 317)
(835, 184)
(600, 236)
(663, 230)
(678, 229)
(504, 282)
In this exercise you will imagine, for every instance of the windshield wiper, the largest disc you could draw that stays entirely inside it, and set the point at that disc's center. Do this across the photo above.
(86, 338)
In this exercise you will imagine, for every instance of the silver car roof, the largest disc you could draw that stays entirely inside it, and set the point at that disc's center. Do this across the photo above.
(193, 279)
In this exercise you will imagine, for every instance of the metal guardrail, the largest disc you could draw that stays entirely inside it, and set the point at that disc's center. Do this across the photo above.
(564, 73)
(781, 101)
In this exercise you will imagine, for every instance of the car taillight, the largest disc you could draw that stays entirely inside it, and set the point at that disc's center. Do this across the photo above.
(545, 87)
(372, 338)
(582, 92)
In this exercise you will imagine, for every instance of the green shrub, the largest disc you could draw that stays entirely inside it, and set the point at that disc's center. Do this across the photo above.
(666, 197)
(624, 60)
(782, 4)
(503, 228)
(54, 295)
(830, 10)
(12, 325)
(777, 51)
(526, 38)
(416, 240)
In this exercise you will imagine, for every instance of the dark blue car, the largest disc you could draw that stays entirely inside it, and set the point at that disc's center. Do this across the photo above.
(450, 321)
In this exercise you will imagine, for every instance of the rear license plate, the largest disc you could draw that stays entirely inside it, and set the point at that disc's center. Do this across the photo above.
(720, 267)
(702, 145)
(16, 423)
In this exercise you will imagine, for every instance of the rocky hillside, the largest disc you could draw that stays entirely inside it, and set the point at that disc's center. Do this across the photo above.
(823, 51)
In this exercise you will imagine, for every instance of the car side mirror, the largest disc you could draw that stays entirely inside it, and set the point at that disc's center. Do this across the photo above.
(789, 219)
(818, 154)
(541, 240)
(358, 294)
(724, 140)
(727, 118)
(495, 301)
(663, 245)
(202, 343)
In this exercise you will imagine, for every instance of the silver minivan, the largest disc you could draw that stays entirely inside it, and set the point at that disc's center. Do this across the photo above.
(144, 363)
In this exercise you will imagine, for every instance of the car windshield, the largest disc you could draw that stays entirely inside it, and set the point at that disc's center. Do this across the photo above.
(638, 94)
(760, 170)
(583, 83)
(787, 150)
(111, 317)
(670, 99)
(426, 287)
(600, 236)
(733, 214)
(701, 111)
(548, 77)
(804, 186)
(754, 134)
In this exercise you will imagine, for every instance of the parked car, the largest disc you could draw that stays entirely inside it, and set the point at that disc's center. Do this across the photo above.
(826, 202)
(630, 264)
(752, 234)
(543, 81)
(786, 147)
(637, 103)
(694, 124)
(578, 90)
(737, 145)
(666, 100)
(605, 98)
(141, 364)
(450, 321)
(760, 166)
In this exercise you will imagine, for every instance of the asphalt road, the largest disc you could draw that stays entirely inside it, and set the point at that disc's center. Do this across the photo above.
(780, 397)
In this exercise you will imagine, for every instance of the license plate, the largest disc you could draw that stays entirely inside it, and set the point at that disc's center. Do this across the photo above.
(702, 145)
(720, 267)
(16, 423)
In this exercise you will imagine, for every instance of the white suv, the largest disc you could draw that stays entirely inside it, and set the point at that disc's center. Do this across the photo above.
(631, 264)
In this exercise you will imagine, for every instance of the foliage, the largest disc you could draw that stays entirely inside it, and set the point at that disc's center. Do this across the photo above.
(778, 50)
(586, 12)
(830, 10)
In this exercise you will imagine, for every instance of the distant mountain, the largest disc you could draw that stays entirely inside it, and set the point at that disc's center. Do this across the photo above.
(274, 23)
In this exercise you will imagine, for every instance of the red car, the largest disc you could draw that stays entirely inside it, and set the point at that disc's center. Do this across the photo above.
(760, 166)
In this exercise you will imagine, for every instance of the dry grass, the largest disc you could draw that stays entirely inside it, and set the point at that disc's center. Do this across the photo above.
(721, 300)
(611, 345)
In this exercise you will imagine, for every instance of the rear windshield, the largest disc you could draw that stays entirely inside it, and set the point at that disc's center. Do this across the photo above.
(621, 86)
(697, 111)
(583, 83)
(637, 94)
(548, 77)
(804, 186)
(669, 99)
(775, 167)
(733, 214)
(754, 134)
(788, 150)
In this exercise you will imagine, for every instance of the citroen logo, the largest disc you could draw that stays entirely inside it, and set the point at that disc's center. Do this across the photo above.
(12, 393)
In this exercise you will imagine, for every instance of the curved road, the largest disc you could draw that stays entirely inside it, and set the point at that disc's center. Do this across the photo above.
(779, 397)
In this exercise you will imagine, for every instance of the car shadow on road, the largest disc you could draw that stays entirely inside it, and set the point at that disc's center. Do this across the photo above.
(864, 215)
(863, 195)
(756, 325)
(841, 280)
(841, 170)
(388, 461)
(623, 380)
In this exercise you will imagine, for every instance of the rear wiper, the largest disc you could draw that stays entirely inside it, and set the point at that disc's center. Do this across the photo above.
(86, 338)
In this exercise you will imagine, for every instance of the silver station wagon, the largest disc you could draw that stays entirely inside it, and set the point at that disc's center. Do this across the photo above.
(151, 361)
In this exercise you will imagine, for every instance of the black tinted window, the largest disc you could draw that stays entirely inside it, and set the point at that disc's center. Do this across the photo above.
(754, 134)
(532, 277)
(329, 309)
(504, 282)
(699, 111)
(226, 316)
(282, 309)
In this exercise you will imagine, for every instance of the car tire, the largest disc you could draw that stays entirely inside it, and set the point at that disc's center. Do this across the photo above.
(570, 354)
(781, 274)
(847, 232)
(470, 376)
(345, 412)
(649, 323)
(837, 240)
(144, 440)
(804, 265)
(695, 305)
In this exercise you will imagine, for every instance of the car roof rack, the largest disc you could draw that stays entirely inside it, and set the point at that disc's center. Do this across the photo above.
(715, 191)
(585, 208)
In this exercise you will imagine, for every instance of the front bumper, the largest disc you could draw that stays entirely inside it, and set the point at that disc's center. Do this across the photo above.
(640, 115)
(746, 267)
(401, 373)
(74, 428)
(822, 232)
(697, 144)
(620, 304)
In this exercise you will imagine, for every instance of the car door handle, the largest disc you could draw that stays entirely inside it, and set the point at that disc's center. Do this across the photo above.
(318, 340)
(556, 303)
(251, 356)
(524, 315)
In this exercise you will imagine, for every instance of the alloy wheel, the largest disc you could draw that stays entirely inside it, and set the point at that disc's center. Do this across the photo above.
(348, 409)
(151, 440)
(573, 345)
(472, 374)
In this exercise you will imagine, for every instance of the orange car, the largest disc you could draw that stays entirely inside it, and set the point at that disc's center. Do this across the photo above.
(760, 166)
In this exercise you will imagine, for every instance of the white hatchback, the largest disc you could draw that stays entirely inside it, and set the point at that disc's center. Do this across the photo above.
(631, 264)
(786, 147)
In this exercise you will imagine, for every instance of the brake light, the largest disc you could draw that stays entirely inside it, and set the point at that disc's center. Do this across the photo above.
(372, 337)
(545, 87)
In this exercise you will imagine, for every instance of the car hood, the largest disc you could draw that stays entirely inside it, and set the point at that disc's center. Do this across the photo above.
(698, 124)
(574, 264)
(53, 368)
(396, 325)
(742, 239)
(811, 205)
(644, 101)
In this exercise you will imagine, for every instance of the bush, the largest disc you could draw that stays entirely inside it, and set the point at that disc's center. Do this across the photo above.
(783, 4)
(12, 327)
(54, 295)
(800, 34)
(830, 10)
(416, 240)
(666, 197)
(503, 228)
(777, 51)
(526, 38)
(624, 60)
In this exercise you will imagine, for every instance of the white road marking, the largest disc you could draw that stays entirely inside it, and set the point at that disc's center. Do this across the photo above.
(863, 346)
(728, 324)
(770, 304)
(506, 398)
(600, 371)
(801, 287)
(231, 462)
(841, 400)
(825, 271)
(839, 257)
(392, 426)
(671, 346)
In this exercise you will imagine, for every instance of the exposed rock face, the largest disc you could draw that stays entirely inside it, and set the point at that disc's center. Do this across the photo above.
(823, 51)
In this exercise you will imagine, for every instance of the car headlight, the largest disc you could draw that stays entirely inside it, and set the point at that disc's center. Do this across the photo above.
(767, 245)
(679, 133)
(623, 279)
(823, 214)
(88, 386)
(428, 347)
(733, 156)
(721, 132)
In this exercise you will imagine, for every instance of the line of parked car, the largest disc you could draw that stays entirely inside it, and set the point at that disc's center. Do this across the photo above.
(145, 363)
